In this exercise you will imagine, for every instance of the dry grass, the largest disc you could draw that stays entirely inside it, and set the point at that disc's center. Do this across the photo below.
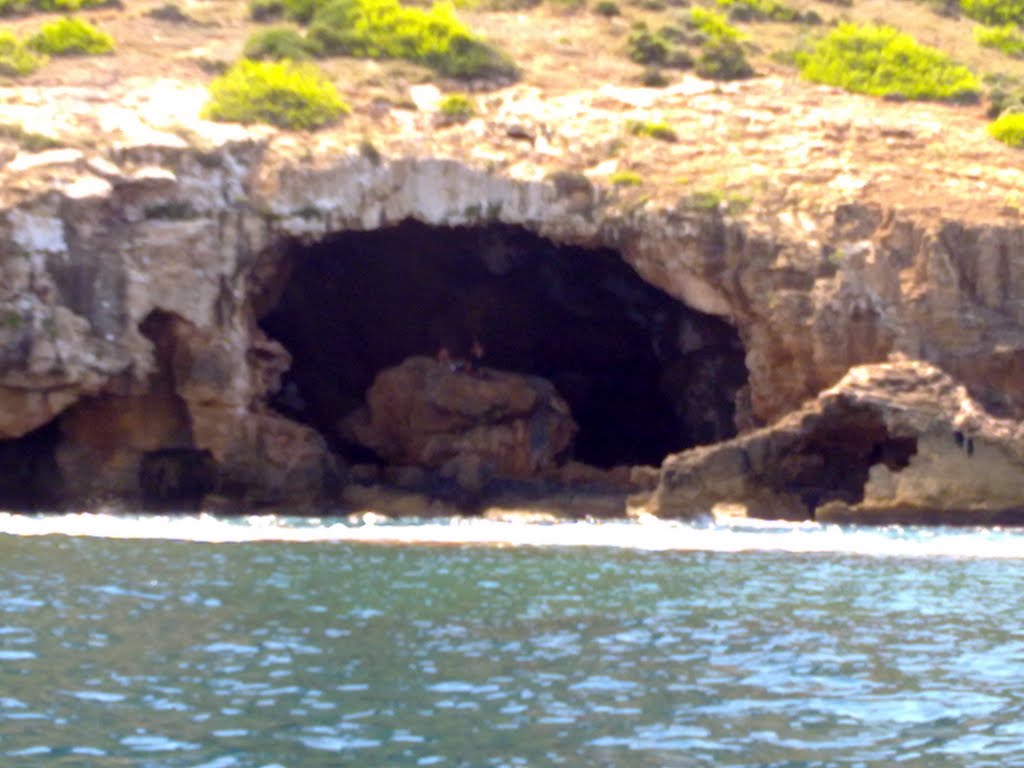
(555, 50)
(774, 138)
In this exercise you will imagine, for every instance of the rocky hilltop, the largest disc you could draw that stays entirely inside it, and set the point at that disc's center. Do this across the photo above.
(192, 313)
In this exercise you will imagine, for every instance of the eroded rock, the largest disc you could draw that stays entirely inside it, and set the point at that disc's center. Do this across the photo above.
(844, 256)
(474, 423)
(892, 442)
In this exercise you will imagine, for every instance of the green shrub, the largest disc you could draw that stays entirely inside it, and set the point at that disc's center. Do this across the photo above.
(1002, 101)
(885, 62)
(646, 47)
(15, 58)
(71, 37)
(370, 152)
(1009, 129)
(759, 10)
(1007, 39)
(385, 29)
(723, 60)
(171, 13)
(995, 11)
(276, 43)
(1005, 92)
(653, 130)
(70, 6)
(721, 55)
(950, 9)
(655, 49)
(284, 94)
(567, 6)
(297, 10)
(712, 26)
(705, 201)
(606, 8)
(626, 179)
(19, 7)
(456, 107)
(265, 10)
(674, 34)
(679, 58)
(27, 140)
(653, 77)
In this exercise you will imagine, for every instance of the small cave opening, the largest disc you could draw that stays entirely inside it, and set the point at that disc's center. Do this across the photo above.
(29, 477)
(177, 475)
(643, 374)
(176, 478)
(833, 462)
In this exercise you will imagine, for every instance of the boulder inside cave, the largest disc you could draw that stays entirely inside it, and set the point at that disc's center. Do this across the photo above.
(643, 374)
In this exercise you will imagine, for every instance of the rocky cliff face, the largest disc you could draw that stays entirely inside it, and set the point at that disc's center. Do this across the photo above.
(134, 275)
(890, 443)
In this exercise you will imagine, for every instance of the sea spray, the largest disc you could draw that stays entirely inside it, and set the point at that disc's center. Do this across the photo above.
(727, 535)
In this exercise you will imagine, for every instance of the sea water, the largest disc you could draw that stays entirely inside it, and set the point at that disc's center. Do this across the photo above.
(148, 641)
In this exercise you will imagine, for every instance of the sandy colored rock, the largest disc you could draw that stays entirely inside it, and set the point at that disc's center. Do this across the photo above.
(894, 442)
(430, 414)
(836, 230)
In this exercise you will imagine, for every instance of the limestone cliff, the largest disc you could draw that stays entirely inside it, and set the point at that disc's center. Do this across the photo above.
(135, 267)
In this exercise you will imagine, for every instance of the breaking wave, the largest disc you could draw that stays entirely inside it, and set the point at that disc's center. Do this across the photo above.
(737, 535)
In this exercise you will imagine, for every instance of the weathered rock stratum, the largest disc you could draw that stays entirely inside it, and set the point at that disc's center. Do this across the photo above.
(796, 233)
(442, 415)
(890, 443)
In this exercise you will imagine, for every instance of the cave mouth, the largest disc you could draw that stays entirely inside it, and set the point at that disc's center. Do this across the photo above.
(832, 463)
(644, 375)
(29, 477)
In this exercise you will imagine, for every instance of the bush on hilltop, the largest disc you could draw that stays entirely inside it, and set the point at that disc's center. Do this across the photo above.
(1009, 128)
(15, 58)
(1007, 39)
(723, 60)
(712, 26)
(285, 94)
(278, 43)
(22, 7)
(456, 108)
(1005, 93)
(297, 10)
(721, 53)
(766, 10)
(654, 130)
(646, 47)
(995, 11)
(385, 29)
(71, 37)
(883, 61)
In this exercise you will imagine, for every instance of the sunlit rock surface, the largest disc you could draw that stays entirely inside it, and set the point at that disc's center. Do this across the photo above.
(434, 414)
(841, 233)
(896, 442)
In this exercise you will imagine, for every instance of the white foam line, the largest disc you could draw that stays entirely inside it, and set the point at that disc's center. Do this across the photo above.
(740, 536)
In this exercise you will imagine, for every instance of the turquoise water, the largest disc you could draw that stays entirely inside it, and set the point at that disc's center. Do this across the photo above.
(282, 643)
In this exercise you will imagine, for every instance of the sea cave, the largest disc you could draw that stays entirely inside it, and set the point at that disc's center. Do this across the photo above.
(643, 374)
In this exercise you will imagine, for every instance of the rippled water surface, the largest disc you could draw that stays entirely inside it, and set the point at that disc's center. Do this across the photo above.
(255, 643)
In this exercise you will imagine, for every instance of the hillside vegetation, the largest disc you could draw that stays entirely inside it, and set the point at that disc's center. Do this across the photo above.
(882, 61)
(959, 51)
(283, 93)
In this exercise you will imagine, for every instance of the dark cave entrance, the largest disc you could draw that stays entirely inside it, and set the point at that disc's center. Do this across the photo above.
(644, 375)
(29, 477)
(833, 461)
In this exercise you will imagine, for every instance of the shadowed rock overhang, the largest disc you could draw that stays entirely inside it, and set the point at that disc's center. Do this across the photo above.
(643, 374)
